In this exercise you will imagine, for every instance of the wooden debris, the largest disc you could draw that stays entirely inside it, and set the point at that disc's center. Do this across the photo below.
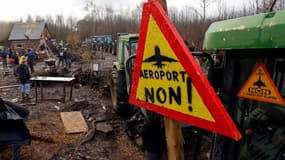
(73, 122)
(90, 135)
(96, 125)
(104, 127)
(9, 86)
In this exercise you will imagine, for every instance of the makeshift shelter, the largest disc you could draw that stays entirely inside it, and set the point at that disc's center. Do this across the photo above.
(28, 35)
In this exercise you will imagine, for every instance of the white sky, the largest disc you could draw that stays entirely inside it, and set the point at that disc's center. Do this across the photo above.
(13, 10)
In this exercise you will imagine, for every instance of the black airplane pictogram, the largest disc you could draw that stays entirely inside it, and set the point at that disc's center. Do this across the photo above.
(259, 83)
(158, 58)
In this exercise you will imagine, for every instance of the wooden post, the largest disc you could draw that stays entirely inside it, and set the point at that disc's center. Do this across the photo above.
(163, 4)
(173, 132)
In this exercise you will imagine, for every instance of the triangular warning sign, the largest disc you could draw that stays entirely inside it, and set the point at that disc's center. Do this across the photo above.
(260, 87)
(168, 80)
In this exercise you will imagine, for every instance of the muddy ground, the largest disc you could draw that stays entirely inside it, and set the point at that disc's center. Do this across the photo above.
(105, 138)
(49, 140)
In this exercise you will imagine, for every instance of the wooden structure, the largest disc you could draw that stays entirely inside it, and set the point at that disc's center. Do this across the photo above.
(28, 35)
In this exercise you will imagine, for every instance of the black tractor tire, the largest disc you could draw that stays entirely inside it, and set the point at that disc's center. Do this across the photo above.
(119, 93)
(113, 80)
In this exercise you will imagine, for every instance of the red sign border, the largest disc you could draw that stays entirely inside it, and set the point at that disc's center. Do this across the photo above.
(261, 64)
(223, 123)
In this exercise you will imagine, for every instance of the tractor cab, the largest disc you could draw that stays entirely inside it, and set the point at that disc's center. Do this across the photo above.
(122, 72)
(242, 45)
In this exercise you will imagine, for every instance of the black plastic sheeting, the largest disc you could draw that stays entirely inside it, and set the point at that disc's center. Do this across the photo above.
(12, 126)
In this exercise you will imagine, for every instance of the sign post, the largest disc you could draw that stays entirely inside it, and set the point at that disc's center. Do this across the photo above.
(173, 131)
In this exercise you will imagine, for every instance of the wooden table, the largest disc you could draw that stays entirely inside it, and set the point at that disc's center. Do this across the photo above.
(64, 81)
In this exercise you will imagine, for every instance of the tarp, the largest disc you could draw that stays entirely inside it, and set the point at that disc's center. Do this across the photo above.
(12, 126)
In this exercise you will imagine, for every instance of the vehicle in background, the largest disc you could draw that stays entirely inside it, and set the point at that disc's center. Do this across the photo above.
(120, 84)
(242, 44)
(126, 49)
(103, 43)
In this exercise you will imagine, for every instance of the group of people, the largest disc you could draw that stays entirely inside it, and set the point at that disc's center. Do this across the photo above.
(23, 64)
(23, 61)
(64, 57)
(16, 57)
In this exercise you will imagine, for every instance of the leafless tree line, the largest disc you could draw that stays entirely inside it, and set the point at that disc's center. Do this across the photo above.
(191, 22)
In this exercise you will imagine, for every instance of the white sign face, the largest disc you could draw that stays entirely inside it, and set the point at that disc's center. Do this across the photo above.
(95, 67)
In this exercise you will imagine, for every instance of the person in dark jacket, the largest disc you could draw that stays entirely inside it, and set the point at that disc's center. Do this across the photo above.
(16, 62)
(67, 58)
(61, 57)
(31, 59)
(24, 76)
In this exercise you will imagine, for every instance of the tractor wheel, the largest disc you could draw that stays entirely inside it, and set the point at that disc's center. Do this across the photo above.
(113, 89)
(119, 93)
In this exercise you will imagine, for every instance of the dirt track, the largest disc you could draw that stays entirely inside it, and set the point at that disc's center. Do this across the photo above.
(49, 141)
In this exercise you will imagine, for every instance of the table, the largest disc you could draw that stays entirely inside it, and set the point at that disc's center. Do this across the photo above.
(58, 80)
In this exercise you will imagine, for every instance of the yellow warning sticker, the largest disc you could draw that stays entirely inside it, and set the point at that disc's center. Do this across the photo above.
(260, 87)
(163, 80)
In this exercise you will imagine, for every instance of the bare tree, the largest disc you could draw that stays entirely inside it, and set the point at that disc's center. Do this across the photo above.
(29, 19)
(221, 8)
(39, 19)
(263, 6)
(204, 4)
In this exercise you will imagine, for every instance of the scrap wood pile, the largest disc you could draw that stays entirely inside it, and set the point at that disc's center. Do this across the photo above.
(85, 77)
(85, 54)
(105, 135)
(82, 76)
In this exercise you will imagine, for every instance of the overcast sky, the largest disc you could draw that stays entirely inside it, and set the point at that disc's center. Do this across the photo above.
(12, 10)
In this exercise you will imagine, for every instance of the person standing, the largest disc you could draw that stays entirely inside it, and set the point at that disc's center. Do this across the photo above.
(15, 56)
(24, 76)
(61, 57)
(67, 58)
(31, 59)
(4, 58)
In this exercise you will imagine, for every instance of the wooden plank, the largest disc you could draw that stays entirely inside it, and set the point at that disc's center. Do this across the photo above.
(73, 122)
(10, 86)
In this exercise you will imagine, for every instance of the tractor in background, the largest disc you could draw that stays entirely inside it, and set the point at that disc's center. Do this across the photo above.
(241, 44)
(120, 85)
(237, 46)
(122, 72)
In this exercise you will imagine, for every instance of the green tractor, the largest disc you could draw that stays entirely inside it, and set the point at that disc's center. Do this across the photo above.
(122, 72)
(237, 46)
(243, 43)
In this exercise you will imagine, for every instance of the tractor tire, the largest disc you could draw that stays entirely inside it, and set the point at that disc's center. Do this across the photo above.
(113, 89)
(119, 93)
